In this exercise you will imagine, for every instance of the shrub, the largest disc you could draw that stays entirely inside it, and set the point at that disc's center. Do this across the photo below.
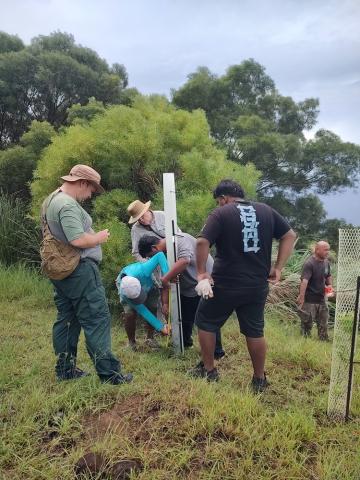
(113, 205)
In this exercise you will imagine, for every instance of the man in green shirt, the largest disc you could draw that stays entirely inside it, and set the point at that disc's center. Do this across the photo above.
(80, 297)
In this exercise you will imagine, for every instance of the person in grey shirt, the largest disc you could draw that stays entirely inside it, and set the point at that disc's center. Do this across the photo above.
(144, 222)
(185, 268)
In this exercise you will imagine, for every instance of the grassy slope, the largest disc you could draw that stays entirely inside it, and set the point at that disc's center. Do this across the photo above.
(179, 428)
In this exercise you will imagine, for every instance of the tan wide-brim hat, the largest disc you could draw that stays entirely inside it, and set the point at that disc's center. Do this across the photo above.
(84, 172)
(137, 209)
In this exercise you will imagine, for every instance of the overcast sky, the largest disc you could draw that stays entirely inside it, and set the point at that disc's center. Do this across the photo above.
(309, 48)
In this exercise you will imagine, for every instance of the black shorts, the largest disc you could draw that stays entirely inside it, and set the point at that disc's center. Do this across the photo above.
(248, 303)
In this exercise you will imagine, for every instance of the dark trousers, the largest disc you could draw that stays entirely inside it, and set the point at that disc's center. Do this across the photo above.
(81, 303)
(189, 306)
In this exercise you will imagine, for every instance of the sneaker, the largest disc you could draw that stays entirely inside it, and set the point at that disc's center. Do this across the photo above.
(219, 355)
(213, 375)
(152, 343)
(117, 379)
(259, 385)
(199, 371)
(72, 374)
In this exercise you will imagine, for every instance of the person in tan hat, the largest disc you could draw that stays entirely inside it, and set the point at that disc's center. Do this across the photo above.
(80, 297)
(144, 221)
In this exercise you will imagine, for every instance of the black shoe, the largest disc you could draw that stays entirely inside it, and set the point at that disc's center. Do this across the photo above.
(219, 355)
(259, 385)
(199, 371)
(117, 379)
(71, 374)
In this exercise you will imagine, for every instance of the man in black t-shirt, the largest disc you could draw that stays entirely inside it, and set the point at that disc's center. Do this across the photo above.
(312, 303)
(242, 232)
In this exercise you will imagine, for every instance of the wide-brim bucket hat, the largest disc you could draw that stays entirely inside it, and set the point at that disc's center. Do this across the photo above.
(84, 172)
(137, 209)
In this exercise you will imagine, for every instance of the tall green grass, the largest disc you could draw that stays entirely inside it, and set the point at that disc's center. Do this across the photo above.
(19, 235)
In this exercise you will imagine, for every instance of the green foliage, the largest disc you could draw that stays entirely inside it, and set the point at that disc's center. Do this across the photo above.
(192, 211)
(18, 163)
(244, 90)
(10, 43)
(331, 163)
(82, 114)
(42, 80)
(19, 235)
(113, 205)
(134, 146)
(38, 137)
(16, 168)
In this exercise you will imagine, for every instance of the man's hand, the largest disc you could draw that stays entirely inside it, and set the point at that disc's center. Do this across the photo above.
(90, 240)
(300, 301)
(166, 329)
(203, 289)
(102, 236)
(165, 283)
(275, 275)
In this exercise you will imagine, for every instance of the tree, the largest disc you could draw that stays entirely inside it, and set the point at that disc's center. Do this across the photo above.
(83, 114)
(254, 123)
(244, 90)
(10, 43)
(42, 80)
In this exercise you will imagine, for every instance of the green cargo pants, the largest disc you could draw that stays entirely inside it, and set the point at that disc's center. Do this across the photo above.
(314, 312)
(81, 303)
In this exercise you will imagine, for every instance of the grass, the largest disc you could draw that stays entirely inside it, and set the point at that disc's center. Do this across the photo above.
(176, 427)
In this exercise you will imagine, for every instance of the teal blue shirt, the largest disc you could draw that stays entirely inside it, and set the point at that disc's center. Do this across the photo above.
(143, 272)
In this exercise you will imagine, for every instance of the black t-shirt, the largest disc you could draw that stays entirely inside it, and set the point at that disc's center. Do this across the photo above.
(243, 234)
(316, 272)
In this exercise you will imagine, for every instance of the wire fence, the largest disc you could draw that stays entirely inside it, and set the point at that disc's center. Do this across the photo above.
(348, 270)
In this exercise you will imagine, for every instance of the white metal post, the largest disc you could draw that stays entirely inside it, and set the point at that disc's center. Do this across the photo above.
(171, 248)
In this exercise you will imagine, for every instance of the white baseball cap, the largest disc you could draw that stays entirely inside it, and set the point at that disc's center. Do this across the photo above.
(131, 288)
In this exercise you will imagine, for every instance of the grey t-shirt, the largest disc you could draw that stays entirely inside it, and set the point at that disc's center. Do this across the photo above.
(67, 221)
(186, 248)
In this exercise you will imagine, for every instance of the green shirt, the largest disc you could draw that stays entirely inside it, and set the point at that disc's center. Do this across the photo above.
(68, 221)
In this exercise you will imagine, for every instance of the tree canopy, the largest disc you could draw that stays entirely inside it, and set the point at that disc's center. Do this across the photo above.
(254, 123)
(42, 80)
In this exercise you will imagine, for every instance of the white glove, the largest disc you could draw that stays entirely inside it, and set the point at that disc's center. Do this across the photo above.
(203, 289)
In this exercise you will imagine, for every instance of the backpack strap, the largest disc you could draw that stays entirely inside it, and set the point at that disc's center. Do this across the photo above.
(44, 207)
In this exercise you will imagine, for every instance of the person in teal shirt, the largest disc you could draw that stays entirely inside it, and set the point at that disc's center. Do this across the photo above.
(136, 285)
